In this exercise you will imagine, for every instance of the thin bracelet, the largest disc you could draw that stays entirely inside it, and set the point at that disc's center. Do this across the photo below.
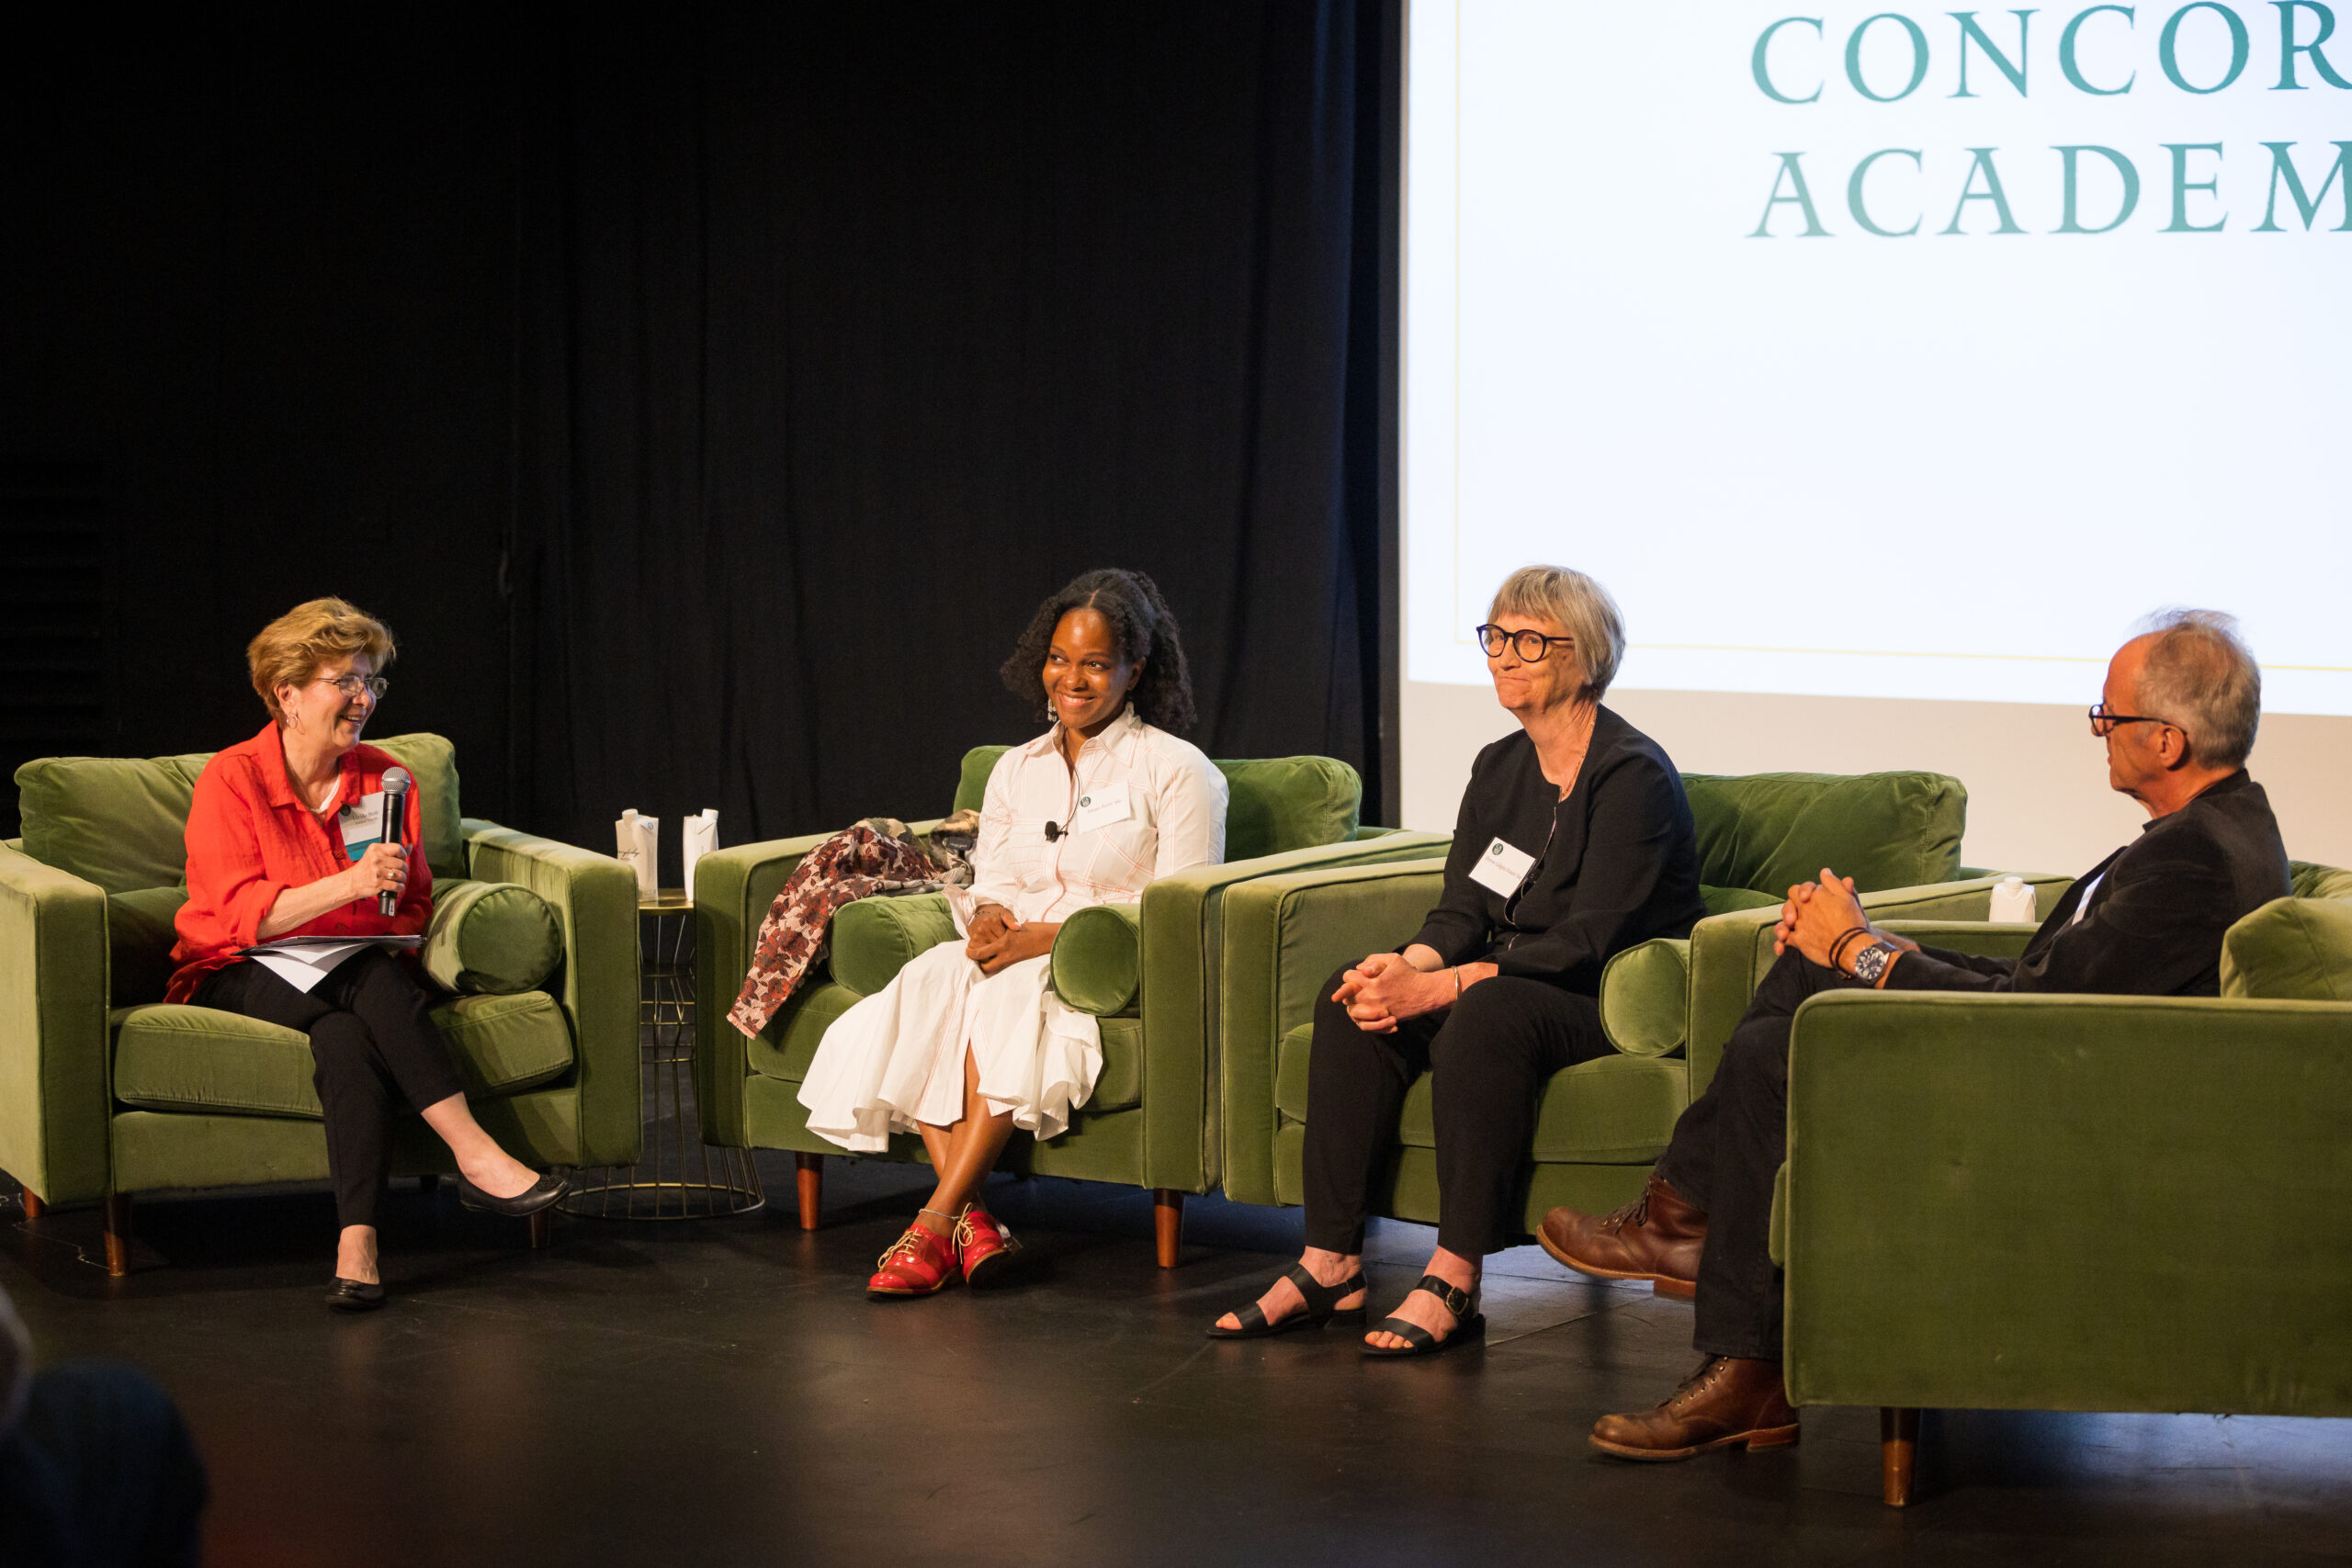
(1457, 982)
(1838, 948)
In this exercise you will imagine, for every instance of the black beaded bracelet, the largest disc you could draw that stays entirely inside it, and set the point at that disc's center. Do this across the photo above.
(1838, 948)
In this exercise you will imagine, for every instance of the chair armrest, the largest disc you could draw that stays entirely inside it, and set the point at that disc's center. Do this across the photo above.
(1981, 938)
(1184, 943)
(1098, 958)
(1729, 953)
(56, 1094)
(1283, 935)
(1945, 1148)
(594, 898)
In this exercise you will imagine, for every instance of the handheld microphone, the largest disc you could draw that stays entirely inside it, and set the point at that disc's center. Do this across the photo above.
(396, 782)
(1053, 831)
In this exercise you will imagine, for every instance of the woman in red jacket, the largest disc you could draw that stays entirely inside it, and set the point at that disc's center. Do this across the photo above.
(284, 839)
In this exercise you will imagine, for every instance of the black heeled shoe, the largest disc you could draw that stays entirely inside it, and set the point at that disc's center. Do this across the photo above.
(355, 1295)
(1322, 1307)
(547, 1189)
(1469, 1323)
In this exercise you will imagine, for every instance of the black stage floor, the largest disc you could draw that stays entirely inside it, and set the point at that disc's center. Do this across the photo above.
(720, 1392)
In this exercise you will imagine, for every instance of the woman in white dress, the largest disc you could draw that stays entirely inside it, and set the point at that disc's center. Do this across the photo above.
(969, 1040)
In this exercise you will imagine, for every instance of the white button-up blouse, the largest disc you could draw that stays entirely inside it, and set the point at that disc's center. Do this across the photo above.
(1143, 804)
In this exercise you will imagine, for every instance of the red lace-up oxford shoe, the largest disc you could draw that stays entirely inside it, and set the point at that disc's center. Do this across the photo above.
(919, 1263)
(984, 1246)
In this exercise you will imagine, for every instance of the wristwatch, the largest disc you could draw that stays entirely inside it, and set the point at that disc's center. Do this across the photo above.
(1872, 962)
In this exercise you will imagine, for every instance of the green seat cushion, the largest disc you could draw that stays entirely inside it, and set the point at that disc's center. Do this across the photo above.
(788, 1045)
(122, 822)
(190, 1058)
(140, 938)
(492, 939)
(1769, 831)
(1611, 1111)
(117, 821)
(1274, 804)
(2290, 950)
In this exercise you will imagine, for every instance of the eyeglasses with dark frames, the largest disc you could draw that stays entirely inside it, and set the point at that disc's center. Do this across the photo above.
(2103, 723)
(1533, 645)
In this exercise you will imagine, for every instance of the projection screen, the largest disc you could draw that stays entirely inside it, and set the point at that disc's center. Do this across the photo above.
(1901, 357)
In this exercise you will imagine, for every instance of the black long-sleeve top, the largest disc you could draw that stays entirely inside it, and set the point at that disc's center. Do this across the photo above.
(1616, 861)
(2156, 909)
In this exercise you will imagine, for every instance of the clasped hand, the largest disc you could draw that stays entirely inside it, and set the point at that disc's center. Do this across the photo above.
(1816, 915)
(996, 939)
(1385, 990)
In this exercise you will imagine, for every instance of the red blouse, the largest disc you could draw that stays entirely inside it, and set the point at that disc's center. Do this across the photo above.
(250, 838)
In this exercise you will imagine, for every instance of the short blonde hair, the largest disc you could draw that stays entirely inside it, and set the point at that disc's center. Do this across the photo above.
(290, 649)
(1570, 599)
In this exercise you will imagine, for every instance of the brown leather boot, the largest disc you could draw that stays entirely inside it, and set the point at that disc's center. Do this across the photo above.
(1726, 1401)
(1657, 1238)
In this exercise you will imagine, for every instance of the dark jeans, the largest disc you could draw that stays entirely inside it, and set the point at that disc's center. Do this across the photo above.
(1726, 1154)
(1489, 1054)
(99, 1471)
(373, 1046)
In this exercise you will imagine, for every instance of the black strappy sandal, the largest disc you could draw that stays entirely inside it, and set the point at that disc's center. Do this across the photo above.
(1469, 1323)
(1322, 1307)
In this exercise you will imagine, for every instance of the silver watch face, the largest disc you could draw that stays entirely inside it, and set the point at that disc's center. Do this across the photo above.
(1872, 963)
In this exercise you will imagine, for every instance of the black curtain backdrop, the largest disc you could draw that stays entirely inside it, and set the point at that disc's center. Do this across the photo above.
(708, 395)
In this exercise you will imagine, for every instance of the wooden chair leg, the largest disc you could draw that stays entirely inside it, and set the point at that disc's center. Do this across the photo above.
(116, 1209)
(34, 1207)
(542, 1225)
(1168, 1223)
(809, 1176)
(1898, 1454)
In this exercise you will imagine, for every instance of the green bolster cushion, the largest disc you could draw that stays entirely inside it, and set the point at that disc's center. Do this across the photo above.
(873, 939)
(1098, 957)
(2315, 881)
(1645, 997)
(2290, 950)
(493, 939)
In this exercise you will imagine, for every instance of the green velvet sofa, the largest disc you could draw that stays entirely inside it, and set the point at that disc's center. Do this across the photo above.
(2078, 1202)
(1668, 1005)
(106, 1092)
(1148, 972)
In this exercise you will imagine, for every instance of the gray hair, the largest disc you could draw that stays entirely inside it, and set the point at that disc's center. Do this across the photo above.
(1572, 600)
(2202, 677)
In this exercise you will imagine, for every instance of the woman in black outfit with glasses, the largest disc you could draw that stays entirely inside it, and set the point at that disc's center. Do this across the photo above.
(1575, 842)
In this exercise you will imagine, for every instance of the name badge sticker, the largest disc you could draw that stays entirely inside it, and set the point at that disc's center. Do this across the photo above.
(362, 823)
(1099, 807)
(1502, 868)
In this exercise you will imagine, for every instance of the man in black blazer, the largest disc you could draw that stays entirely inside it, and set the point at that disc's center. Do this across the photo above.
(2178, 714)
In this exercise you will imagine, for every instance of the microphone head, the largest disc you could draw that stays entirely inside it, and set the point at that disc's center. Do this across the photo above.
(396, 781)
(1053, 831)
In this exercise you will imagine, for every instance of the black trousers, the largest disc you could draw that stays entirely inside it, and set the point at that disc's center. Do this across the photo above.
(1490, 1054)
(1725, 1156)
(100, 1472)
(373, 1049)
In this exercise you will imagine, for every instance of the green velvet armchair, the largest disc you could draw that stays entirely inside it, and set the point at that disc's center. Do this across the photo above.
(1148, 972)
(105, 1092)
(2078, 1202)
(1668, 1005)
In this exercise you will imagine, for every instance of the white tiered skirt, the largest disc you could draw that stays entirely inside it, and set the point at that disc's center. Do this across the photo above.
(897, 1057)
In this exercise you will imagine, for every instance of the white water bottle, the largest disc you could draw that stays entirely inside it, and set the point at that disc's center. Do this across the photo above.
(638, 845)
(2013, 902)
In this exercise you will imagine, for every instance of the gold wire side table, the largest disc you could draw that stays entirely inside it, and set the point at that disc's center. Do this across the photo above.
(678, 1176)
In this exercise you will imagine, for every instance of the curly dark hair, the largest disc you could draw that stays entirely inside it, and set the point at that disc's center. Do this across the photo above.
(1143, 629)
